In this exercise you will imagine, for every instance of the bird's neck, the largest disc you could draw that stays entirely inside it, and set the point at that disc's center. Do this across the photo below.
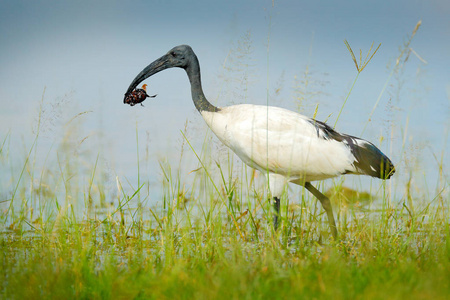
(200, 101)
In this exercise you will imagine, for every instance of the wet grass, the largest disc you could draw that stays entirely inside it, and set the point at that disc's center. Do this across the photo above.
(392, 256)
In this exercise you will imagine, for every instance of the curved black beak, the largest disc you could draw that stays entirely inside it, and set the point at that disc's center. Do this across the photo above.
(158, 65)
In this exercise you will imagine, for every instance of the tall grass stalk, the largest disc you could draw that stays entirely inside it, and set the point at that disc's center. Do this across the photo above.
(359, 67)
(398, 64)
(214, 185)
(10, 207)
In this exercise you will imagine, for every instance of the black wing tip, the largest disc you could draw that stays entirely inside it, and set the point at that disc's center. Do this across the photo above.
(385, 170)
(389, 170)
(371, 161)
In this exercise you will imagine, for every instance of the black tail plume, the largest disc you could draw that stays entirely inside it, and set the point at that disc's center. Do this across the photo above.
(369, 160)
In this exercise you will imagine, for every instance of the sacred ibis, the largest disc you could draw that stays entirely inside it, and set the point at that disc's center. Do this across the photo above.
(282, 144)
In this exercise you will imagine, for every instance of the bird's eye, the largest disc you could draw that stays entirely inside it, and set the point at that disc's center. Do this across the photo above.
(174, 54)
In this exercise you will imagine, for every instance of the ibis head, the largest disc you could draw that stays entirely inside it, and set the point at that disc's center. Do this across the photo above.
(181, 57)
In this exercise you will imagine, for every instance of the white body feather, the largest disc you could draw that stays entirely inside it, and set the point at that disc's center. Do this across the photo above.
(280, 142)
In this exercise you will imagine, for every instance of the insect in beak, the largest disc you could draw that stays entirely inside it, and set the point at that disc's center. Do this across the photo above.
(137, 96)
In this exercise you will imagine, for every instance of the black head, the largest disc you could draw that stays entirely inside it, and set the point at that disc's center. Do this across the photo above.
(179, 56)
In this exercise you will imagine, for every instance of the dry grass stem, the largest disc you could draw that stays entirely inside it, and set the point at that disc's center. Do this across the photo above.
(362, 64)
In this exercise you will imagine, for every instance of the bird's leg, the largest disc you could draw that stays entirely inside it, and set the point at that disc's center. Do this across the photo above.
(326, 205)
(276, 207)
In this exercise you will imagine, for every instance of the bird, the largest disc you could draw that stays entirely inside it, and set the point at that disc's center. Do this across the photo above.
(284, 145)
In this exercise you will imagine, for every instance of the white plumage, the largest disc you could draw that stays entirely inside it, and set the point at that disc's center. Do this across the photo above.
(274, 140)
(279, 141)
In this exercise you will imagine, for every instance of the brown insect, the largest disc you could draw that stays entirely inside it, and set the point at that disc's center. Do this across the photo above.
(137, 96)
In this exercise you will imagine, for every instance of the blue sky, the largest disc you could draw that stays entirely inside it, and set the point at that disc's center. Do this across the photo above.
(85, 54)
